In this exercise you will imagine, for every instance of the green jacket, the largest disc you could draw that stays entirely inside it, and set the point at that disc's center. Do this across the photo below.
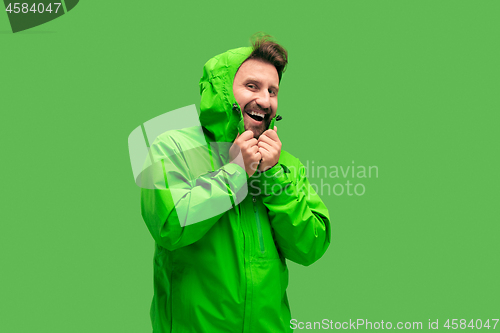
(222, 238)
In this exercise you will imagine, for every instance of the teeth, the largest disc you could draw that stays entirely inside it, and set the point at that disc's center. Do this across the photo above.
(256, 113)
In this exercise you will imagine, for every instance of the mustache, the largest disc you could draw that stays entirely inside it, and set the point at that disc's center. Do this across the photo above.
(253, 106)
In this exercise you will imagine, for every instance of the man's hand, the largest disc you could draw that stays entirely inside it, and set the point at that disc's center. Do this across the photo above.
(270, 149)
(247, 145)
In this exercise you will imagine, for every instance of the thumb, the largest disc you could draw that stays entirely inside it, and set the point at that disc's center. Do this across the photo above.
(276, 129)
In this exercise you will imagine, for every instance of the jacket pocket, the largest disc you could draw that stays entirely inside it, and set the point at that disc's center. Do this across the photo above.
(270, 311)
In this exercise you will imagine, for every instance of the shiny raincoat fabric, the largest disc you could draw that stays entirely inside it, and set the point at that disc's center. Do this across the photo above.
(227, 273)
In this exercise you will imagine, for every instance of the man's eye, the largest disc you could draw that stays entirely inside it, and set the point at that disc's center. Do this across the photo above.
(251, 86)
(272, 92)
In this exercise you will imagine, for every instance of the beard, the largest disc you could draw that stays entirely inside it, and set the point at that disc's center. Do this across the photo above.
(260, 128)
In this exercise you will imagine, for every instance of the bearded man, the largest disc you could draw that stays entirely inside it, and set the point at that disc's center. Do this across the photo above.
(225, 270)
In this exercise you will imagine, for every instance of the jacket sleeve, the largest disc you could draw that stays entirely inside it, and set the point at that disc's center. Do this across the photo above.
(298, 217)
(184, 208)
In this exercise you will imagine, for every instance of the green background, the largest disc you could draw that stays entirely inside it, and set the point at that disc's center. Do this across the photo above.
(409, 86)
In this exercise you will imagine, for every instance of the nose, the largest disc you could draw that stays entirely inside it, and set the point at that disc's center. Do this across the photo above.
(263, 99)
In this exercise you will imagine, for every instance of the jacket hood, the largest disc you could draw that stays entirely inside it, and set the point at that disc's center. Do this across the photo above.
(217, 114)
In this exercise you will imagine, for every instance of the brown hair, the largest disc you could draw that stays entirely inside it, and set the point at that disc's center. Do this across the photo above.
(267, 50)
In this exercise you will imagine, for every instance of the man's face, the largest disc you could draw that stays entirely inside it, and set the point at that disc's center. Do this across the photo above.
(255, 88)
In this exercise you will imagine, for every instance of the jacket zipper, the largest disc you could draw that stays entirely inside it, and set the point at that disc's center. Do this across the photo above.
(259, 227)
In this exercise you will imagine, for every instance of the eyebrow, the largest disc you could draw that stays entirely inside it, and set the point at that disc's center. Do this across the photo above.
(252, 79)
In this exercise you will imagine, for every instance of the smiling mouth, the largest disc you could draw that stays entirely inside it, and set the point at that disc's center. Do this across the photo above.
(256, 115)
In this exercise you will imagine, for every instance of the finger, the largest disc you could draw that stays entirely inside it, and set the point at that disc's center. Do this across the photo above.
(269, 140)
(266, 156)
(265, 145)
(265, 153)
(250, 143)
(254, 149)
(247, 135)
(271, 134)
(276, 129)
